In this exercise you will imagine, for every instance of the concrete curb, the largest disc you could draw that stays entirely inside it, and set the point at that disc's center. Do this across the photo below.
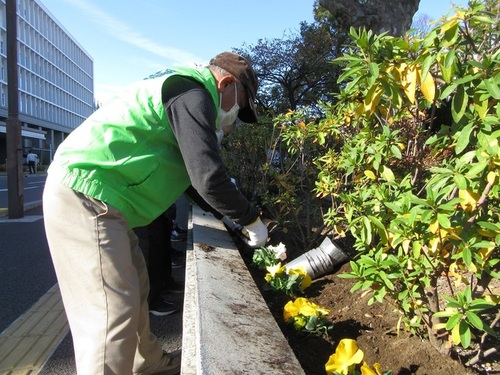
(227, 325)
(27, 206)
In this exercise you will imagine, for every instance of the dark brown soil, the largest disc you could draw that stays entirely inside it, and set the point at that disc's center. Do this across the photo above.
(374, 328)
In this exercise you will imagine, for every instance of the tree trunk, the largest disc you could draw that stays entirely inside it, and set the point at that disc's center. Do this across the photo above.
(393, 16)
(431, 293)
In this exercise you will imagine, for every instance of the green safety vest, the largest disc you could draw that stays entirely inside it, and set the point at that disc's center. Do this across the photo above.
(125, 154)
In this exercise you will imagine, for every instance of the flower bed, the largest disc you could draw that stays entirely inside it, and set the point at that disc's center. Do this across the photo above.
(373, 327)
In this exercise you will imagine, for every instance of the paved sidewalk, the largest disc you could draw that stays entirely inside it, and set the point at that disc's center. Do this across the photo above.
(39, 341)
(168, 329)
(31, 339)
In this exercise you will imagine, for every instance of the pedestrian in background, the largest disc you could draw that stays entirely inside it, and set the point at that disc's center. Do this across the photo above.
(122, 168)
(32, 160)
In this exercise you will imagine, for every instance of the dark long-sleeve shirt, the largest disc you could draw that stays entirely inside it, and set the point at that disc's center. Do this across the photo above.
(190, 110)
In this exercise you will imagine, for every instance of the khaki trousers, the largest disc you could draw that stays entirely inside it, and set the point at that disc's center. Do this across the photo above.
(104, 283)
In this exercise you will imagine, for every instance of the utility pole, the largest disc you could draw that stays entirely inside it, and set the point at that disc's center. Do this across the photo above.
(15, 176)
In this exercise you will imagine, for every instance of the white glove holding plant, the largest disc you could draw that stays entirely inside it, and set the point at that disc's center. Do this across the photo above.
(255, 233)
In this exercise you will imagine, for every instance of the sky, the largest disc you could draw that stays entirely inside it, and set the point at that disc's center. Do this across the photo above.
(129, 40)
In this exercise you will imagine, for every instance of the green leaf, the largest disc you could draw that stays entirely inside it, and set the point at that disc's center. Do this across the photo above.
(381, 228)
(474, 320)
(468, 157)
(467, 256)
(321, 137)
(465, 334)
(492, 88)
(367, 261)
(483, 244)
(447, 91)
(450, 299)
(480, 305)
(451, 34)
(447, 74)
(460, 181)
(488, 225)
(388, 283)
(348, 73)
(480, 105)
(459, 104)
(414, 199)
(453, 321)
(482, 19)
(453, 304)
(368, 230)
(388, 88)
(426, 66)
(393, 207)
(463, 138)
(396, 151)
(441, 170)
(387, 174)
(478, 323)
(490, 331)
(467, 295)
(430, 38)
(450, 59)
(445, 313)
(374, 70)
(417, 248)
(356, 286)
(444, 221)
(476, 169)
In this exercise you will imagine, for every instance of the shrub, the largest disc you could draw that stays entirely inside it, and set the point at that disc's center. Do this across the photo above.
(421, 196)
(274, 164)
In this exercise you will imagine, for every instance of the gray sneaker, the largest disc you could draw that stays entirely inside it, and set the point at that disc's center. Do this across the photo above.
(170, 363)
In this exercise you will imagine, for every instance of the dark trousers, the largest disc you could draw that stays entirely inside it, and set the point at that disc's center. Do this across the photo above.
(32, 166)
(154, 240)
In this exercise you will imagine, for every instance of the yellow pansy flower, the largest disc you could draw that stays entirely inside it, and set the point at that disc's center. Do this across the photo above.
(309, 308)
(291, 310)
(346, 355)
(303, 306)
(366, 370)
(274, 270)
(306, 279)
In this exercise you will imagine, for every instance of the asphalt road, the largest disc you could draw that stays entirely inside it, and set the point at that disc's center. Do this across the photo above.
(33, 188)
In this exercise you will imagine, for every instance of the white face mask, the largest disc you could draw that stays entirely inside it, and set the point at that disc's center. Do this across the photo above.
(227, 118)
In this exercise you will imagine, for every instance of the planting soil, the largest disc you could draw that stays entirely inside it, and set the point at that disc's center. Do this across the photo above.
(373, 327)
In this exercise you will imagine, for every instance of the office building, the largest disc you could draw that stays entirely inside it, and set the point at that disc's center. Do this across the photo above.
(56, 80)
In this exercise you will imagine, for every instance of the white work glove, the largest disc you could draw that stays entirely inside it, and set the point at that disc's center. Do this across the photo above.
(255, 234)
